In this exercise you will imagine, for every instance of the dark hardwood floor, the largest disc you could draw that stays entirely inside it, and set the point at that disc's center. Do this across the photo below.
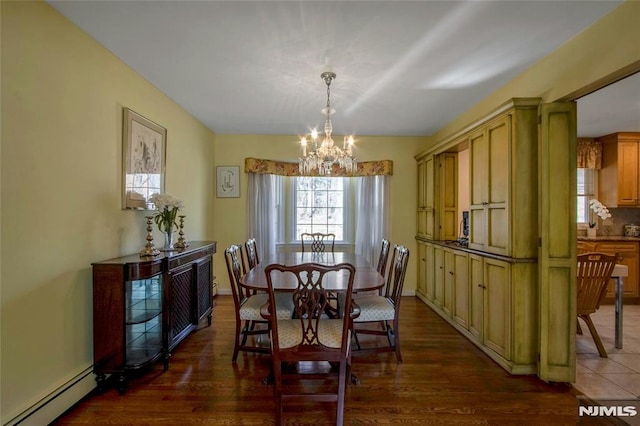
(444, 380)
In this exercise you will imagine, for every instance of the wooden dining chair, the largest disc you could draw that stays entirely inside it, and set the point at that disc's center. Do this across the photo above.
(310, 337)
(383, 259)
(247, 307)
(593, 274)
(317, 242)
(384, 310)
(252, 252)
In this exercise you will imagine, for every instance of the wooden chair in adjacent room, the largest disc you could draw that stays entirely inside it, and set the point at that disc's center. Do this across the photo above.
(317, 242)
(593, 274)
(247, 307)
(310, 338)
(384, 310)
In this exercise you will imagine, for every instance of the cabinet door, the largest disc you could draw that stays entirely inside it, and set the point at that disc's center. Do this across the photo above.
(628, 173)
(182, 303)
(421, 217)
(476, 292)
(425, 213)
(438, 276)
(449, 199)
(478, 174)
(449, 274)
(498, 145)
(489, 162)
(429, 271)
(497, 306)
(421, 285)
(461, 289)
(204, 278)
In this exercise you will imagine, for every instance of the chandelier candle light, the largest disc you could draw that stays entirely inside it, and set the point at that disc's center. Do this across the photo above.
(320, 159)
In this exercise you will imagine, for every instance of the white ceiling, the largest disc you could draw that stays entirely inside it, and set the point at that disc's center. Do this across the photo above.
(403, 67)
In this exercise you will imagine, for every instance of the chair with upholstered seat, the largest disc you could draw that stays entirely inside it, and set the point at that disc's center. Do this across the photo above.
(594, 272)
(384, 310)
(247, 306)
(317, 242)
(310, 337)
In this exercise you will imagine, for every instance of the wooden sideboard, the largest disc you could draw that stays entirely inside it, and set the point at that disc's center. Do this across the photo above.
(144, 307)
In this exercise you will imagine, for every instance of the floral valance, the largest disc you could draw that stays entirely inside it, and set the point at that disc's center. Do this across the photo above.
(589, 154)
(365, 168)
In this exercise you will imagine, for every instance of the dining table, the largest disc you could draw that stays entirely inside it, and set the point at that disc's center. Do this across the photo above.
(366, 278)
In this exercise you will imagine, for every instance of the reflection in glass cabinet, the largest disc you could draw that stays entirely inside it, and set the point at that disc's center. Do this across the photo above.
(143, 324)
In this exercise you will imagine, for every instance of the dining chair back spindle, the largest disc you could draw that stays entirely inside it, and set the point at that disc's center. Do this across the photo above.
(310, 336)
(593, 274)
(384, 310)
(317, 242)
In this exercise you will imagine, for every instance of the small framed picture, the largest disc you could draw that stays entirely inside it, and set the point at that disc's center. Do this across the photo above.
(227, 181)
(143, 160)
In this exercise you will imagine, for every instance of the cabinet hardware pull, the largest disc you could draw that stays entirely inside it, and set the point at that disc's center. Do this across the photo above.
(451, 272)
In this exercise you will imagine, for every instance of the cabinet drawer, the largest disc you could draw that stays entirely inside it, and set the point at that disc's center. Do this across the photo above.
(618, 247)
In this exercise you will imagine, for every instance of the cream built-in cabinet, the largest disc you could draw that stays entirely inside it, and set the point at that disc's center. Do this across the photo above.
(487, 290)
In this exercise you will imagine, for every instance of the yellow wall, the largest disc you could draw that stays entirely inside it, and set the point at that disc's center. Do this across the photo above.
(599, 52)
(230, 213)
(62, 100)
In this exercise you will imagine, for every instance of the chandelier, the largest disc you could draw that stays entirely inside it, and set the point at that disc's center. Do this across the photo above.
(320, 158)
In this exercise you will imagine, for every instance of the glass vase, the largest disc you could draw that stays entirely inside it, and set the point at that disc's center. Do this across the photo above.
(168, 239)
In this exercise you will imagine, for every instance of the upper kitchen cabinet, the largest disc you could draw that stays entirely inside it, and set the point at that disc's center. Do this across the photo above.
(619, 177)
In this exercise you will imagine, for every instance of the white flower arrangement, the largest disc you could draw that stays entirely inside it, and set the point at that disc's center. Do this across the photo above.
(167, 206)
(600, 210)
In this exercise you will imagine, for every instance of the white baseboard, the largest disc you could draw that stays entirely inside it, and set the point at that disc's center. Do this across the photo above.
(57, 402)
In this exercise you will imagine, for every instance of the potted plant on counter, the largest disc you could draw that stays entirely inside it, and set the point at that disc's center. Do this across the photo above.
(600, 210)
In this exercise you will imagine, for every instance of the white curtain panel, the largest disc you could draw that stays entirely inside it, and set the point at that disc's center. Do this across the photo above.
(372, 215)
(261, 212)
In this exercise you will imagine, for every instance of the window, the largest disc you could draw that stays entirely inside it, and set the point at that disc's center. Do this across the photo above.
(586, 191)
(314, 204)
(320, 206)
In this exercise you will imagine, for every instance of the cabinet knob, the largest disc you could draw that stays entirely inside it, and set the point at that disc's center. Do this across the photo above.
(451, 272)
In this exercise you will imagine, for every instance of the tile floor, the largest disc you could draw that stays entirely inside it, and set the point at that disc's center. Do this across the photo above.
(616, 378)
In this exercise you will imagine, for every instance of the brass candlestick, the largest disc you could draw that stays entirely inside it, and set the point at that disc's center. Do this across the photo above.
(149, 248)
(181, 243)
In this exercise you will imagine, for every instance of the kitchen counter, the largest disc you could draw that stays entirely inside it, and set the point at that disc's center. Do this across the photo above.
(608, 238)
